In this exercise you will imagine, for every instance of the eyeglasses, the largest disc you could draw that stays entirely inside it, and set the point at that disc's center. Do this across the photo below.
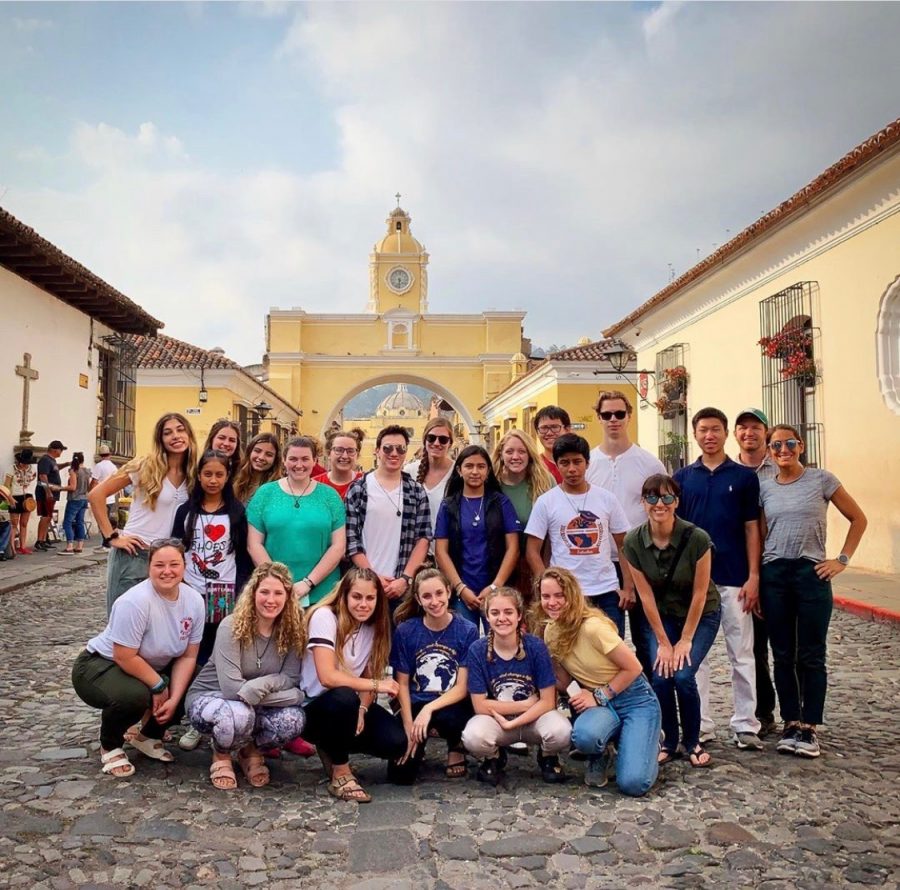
(791, 444)
(609, 415)
(350, 451)
(654, 499)
(390, 449)
(433, 438)
(546, 430)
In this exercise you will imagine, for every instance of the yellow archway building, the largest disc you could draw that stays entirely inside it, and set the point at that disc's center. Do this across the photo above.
(319, 361)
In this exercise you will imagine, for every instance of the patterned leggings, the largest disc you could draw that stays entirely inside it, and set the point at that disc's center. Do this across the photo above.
(232, 724)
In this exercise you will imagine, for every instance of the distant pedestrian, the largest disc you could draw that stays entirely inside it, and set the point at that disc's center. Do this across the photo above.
(21, 483)
(261, 464)
(161, 481)
(796, 582)
(76, 505)
(105, 469)
(49, 485)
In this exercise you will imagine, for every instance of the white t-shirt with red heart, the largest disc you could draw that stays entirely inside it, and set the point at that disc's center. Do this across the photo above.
(209, 559)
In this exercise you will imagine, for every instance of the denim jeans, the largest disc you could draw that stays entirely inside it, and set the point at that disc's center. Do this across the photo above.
(683, 685)
(797, 605)
(476, 616)
(608, 603)
(73, 520)
(632, 720)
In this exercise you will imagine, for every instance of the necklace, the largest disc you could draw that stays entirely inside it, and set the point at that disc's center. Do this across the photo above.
(302, 493)
(578, 510)
(441, 632)
(399, 499)
(477, 517)
(259, 657)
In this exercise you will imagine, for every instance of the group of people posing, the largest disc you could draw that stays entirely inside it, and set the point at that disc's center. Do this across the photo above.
(273, 601)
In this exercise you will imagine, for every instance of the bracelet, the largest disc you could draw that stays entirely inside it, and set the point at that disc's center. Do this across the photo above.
(610, 692)
(364, 709)
(160, 685)
(375, 686)
(309, 581)
(459, 588)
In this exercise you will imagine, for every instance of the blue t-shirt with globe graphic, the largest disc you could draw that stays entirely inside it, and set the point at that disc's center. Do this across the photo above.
(510, 680)
(431, 658)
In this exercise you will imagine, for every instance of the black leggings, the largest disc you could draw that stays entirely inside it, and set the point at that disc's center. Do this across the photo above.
(331, 726)
(449, 724)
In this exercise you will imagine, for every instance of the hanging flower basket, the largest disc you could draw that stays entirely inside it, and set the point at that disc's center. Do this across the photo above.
(794, 348)
(669, 408)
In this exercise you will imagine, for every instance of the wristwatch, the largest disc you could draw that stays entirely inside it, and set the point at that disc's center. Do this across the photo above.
(843, 559)
(115, 534)
(407, 579)
(493, 587)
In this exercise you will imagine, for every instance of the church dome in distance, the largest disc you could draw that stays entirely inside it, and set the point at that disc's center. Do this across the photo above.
(399, 239)
(583, 341)
(401, 403)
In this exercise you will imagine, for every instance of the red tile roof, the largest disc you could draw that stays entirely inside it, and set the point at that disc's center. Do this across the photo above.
(28, 255)
(167, 352)
(588, 352)
(883, 141)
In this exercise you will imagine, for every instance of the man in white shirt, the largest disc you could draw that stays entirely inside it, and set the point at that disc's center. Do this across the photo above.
(581, 521)
(103, 469)
(620, 466)
(388, 518)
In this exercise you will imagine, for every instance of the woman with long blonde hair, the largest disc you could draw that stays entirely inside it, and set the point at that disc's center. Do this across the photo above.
(613, 700)
(523, 479)
(349, 640)
(161, 480)
(260, 464)
(246, 696)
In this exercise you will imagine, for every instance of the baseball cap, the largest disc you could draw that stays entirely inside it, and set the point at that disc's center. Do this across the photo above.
(57, 444)
(104, 449)
(756, 413)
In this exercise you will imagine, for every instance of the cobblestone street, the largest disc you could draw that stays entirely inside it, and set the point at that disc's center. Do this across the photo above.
(755, 819)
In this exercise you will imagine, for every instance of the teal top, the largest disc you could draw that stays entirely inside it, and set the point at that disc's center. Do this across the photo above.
(298, 535)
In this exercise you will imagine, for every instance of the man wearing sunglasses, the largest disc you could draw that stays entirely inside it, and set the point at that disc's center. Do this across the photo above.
(620, 466)
(388, 518)
(722, 497)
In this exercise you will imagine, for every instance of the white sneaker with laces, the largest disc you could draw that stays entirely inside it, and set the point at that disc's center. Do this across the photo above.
(190, 739)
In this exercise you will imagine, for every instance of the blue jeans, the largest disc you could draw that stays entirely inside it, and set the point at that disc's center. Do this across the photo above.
(73, 520)
(609, 604)
(797, 604)
(632, 719)
(476, 616)
(683, 685)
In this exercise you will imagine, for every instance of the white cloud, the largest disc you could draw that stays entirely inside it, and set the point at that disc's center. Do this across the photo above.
(554, 158)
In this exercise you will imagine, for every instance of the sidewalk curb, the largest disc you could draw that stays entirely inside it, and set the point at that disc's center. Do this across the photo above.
(865, 610)
(17, 584)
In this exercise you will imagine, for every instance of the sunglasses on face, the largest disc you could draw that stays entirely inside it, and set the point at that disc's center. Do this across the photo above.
(434, 439)
(350, 451)
(609, 415)
(654, 499)
(390, 449)
(790, 444)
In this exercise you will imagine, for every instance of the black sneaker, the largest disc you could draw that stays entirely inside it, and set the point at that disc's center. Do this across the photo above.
(767, 725)
(552, 771)
(807, 744)
(490, 771)
(788, 742)
(41, 545)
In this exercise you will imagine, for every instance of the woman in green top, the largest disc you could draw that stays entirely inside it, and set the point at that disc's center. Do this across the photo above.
(299, 522)
(523, 479)
(671, 561)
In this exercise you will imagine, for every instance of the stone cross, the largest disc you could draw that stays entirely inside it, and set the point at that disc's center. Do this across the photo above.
(28, 374)
(397, 196)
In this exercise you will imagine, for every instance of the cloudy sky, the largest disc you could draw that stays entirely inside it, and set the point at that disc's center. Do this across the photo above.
(215, 160)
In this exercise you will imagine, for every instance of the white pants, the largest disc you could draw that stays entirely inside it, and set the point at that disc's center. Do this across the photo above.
(483, 735)
(737, 629)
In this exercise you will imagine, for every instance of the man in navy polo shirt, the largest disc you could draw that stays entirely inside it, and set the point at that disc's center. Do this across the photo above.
(722, 497)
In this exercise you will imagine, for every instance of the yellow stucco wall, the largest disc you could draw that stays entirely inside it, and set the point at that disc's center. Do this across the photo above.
(861, 435)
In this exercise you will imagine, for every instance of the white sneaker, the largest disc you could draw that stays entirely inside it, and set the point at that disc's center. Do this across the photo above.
(190, 739)
(707, 736)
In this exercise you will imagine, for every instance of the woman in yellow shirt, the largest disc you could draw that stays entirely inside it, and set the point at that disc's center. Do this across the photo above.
(613, 701)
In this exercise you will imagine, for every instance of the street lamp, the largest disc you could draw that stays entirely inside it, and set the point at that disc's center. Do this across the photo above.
(619, 355)
(262, 409)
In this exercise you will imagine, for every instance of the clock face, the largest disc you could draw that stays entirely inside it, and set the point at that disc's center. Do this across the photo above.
(399, 279)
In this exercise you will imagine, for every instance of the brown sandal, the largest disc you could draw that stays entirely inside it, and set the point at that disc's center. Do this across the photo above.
(459, 769)
(221, 774)
(348, 789)
(254, 768)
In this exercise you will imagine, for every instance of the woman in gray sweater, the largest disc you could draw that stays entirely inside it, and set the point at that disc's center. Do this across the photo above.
(247, 697)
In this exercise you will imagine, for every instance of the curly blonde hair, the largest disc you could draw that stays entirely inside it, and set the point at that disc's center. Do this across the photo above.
(336, 601)
(289, 630)
(577, 610)
(538, 479)
(153, 468)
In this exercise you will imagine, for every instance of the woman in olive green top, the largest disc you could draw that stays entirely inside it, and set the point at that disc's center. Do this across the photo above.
(670, 562)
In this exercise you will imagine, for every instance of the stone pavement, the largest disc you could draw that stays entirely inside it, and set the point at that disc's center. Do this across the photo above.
(760, 819)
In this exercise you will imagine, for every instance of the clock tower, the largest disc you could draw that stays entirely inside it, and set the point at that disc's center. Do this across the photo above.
(398, 269)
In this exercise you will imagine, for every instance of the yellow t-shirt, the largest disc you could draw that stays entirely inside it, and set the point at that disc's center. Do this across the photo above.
(588, 662)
